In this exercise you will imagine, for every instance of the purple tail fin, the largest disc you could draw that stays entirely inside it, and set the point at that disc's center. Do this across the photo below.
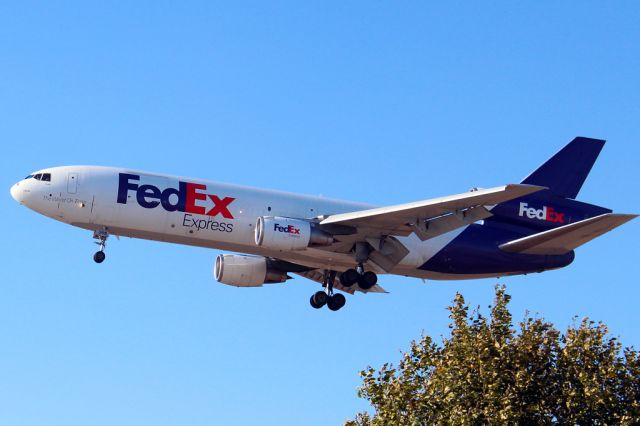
(566, 171)
(563, 174)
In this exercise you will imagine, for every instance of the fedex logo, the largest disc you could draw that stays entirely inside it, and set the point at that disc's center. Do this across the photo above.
(289, 229)
(545, 213)
(186, 197)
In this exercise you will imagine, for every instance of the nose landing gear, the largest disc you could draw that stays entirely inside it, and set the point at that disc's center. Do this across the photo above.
(101, 235)
(326, 297)
(99, 257)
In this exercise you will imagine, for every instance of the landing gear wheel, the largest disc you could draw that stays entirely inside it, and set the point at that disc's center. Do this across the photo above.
(349, 277)
(99, 257)
(313, 303)
(101, 235)
(336, 302)
(319, 299)
(367, 280)
(326, 296)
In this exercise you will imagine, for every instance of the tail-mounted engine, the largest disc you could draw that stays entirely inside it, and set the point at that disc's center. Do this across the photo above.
(286, 234)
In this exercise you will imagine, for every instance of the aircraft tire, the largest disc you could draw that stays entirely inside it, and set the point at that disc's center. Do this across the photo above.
(367, 280)
(313, 303)
(319, 299)
(99, 257)
(349, 277)
(336, 302)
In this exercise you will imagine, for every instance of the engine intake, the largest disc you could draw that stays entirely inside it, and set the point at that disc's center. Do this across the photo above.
(286, 234)
(246, 271)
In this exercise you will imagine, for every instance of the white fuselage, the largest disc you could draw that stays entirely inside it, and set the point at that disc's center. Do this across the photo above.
(206, 214)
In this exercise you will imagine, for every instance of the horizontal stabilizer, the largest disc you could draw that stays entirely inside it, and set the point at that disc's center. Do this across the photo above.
(562, 240)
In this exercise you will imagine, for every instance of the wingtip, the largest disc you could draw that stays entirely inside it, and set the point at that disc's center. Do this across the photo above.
(627, 216)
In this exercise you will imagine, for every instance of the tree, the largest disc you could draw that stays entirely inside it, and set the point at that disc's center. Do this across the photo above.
(486, 372)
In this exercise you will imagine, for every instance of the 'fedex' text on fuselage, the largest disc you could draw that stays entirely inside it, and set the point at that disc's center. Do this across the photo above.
(187, 194)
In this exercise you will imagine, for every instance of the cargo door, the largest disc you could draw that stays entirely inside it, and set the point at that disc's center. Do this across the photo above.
(72, 183)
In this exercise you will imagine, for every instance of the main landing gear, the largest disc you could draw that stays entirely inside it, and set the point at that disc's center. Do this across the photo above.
(326, 296)
(365, 280)
(101, 235)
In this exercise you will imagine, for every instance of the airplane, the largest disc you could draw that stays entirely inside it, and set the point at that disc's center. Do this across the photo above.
(533, 226)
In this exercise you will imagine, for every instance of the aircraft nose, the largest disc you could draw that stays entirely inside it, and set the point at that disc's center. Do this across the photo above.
(16, 193)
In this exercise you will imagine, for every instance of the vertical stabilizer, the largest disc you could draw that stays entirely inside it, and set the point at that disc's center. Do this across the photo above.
(566, 171)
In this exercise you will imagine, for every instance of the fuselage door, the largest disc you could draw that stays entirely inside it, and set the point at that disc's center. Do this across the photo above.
(72, 183)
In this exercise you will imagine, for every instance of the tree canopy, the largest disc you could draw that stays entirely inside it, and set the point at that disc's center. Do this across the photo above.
(487, 372)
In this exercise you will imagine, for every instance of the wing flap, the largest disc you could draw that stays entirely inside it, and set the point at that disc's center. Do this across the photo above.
(441, 225)
(566, 238)
(317, 275)
(387, 252)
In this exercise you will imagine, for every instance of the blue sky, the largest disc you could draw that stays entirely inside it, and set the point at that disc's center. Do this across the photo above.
(376, 102)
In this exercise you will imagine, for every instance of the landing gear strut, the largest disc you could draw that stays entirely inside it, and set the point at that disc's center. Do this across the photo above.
(101, 235)
(326, 296)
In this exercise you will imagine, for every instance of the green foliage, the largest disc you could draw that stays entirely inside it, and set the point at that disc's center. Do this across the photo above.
(486, 372)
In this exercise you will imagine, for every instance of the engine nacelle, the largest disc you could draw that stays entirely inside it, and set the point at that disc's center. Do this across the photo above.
(245, 271)
(286, 234)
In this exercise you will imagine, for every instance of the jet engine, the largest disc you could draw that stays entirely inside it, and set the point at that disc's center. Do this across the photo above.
(246, 271)
(286, 234)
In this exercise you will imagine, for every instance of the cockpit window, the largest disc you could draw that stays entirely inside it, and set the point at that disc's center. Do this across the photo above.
(44, 177)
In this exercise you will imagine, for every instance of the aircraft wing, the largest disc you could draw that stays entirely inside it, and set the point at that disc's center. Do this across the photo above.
(428, 218)
(566, 238)
(318, 276)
